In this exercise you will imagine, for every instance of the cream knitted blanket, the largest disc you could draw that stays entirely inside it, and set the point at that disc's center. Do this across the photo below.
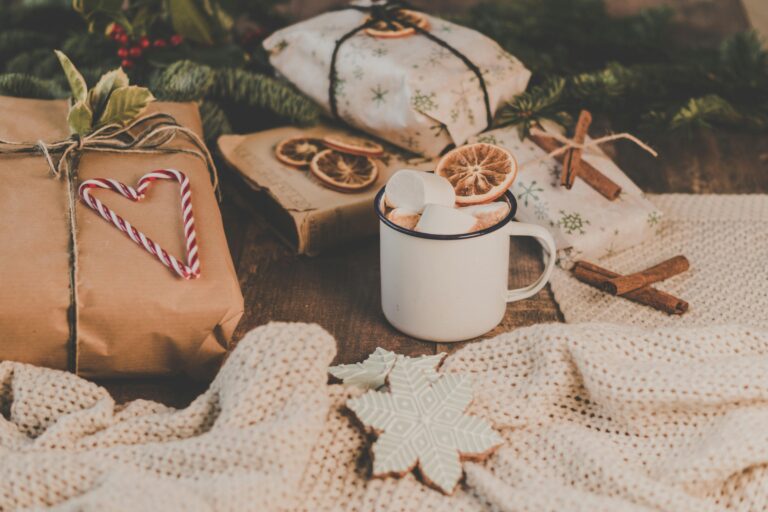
(594, 417)
(725, 237)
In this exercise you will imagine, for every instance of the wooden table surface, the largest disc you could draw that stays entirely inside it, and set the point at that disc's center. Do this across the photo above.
(340, 289)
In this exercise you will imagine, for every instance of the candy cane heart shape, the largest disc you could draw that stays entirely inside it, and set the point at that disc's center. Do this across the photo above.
(190, 270)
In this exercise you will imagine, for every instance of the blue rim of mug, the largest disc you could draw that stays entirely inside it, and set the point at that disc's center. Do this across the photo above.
(429, 236)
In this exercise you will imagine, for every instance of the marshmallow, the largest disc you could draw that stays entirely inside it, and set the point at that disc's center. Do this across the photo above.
(445, 220)
(404, 218)
(413, 190)
(487, 214)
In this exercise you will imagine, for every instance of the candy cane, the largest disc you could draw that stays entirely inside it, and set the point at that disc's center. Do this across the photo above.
(189, 271)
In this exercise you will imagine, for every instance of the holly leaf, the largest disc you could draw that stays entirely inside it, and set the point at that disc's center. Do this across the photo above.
(75, 79)
(125, 104)
(190, 21)
(97, 97)
(80, 118)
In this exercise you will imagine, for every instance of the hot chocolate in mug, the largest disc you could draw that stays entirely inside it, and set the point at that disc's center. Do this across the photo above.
(452, 287)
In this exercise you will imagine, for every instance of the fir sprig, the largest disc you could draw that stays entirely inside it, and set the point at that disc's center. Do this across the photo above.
(539, 102)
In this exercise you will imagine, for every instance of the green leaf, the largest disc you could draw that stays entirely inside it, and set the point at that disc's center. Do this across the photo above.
(97, 97)
(80, 118)
(190, 21)
(125, 104)
(75, 79)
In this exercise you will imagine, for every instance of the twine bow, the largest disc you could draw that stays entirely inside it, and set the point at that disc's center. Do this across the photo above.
(386, 12)
(568, 144)
(154, 132)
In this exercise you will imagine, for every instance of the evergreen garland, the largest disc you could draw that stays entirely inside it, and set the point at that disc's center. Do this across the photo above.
(228, 94)
(631, 70)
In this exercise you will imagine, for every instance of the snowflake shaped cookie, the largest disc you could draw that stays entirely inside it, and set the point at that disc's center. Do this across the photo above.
(424, 423)
(372, 373)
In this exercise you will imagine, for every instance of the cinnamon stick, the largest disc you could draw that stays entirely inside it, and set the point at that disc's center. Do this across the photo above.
(586, 171)
(624, 284)
(572, 157)
(597, 276)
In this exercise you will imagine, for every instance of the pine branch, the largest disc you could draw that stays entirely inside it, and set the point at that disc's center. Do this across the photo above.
(183, 81)
(260, 91)
(26, 86)
(215, 122)
(541, 102)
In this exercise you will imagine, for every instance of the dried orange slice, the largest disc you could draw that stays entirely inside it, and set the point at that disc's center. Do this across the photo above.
(394, 29)
(344, 172)
(353, 145)
(298, 151)
(479, 173)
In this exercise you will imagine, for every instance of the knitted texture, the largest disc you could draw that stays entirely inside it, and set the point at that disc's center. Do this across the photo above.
(725, 237)
(594, 417)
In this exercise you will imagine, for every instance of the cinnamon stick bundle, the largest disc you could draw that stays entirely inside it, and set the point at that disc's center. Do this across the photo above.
(572, 157)
(624, 284)
(596, 276)
(584, 170)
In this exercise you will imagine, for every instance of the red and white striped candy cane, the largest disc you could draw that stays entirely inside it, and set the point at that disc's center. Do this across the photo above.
(189, 271)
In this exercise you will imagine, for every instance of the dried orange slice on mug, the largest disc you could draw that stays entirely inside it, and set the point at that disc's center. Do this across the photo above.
(344, 172)
(353, 145)
(298, 151)
(394, 29)
(479, 173)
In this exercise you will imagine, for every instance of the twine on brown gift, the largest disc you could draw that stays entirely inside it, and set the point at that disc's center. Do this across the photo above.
(153, 132)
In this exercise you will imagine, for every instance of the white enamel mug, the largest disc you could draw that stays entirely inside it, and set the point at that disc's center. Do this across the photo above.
(452, 287)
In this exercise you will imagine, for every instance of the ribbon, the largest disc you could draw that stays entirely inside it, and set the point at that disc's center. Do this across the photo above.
(386, 12)
(146, 134)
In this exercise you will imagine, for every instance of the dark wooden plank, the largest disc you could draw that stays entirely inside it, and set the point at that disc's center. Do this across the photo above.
(339, 290)
(708, 162)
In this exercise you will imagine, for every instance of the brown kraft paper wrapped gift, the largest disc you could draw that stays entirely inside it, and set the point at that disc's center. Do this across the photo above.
(131, 315)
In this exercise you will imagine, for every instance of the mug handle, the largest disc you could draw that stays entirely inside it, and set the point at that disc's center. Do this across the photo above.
(544, 237)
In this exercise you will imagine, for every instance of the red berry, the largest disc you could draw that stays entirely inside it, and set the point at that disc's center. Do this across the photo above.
(122, 39)
(159, 43)
(135, 52)
(127, 64)
(144, 42)
(122, 52)
(177, 39)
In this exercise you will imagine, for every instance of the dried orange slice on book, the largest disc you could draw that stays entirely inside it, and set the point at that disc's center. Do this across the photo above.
(394, 29)
(298, 151)
(353, 145)
(479, 173)
(344, 172)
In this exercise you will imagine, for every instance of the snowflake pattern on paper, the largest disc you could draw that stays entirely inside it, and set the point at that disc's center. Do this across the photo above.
(424, 102)
(526, 192)
(379, 95)
(572, 222)
(422, 423)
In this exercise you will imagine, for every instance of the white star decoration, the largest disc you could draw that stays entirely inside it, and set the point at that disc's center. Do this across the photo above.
(372, 373)
(424, 423)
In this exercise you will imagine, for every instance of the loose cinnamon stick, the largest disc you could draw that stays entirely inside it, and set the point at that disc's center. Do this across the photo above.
(586, 171)
(597, 276)
(624, 284)
(572, 157)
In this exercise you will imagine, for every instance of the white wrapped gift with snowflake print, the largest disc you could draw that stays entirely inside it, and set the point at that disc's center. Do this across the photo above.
(410, 91)
(585, 224)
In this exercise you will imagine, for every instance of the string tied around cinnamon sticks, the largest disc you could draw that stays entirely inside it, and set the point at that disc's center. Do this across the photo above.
(569, 151)
(636, 287)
